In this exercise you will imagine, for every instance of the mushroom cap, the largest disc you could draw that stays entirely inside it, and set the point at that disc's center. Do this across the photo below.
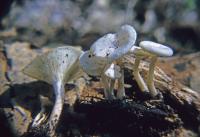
(113, 72)
(59, 64)
(156, 48)
(125, 40)
(113, 46)
(91, 64)
(126, 35)
(104, 46)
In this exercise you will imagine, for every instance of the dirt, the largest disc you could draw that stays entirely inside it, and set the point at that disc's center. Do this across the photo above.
(95, 116)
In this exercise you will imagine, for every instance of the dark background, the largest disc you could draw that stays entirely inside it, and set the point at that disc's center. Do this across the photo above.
(80, 22)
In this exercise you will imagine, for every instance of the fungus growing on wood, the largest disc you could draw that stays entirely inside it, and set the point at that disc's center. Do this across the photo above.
(56, 67)
(152, 50)
(108, 49)
(155, 50)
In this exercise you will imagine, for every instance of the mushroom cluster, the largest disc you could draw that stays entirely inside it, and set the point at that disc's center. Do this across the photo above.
(104, 59)
(56, 67)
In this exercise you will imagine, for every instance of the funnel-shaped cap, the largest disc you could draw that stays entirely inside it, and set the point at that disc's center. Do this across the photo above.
(125, 40)
(114, 46)
(59, 64)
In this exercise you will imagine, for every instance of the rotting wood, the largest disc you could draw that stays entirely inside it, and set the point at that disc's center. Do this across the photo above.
(181, 98)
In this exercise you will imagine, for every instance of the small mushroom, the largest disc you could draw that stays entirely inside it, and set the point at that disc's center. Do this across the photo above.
(154, 50)
(125, 40)
(95, 66)
(112, 47)
(56, 67)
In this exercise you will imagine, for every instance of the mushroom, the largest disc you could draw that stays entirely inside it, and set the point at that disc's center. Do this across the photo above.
(154, 50)
(98, 67)
(56, 67)
(125, 40)
(112, 47)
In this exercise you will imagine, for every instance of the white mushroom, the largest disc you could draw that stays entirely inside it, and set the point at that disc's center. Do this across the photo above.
(126, 38)
(154, 50)
(56, 67)
(98, 67)
(112, 47)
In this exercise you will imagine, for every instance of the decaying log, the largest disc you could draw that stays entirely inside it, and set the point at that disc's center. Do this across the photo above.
(181, 98)
(175, 115)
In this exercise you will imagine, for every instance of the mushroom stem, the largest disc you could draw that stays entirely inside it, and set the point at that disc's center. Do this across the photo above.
(58, 106)
(107, 92)
(112, 84)
(138, 78)
(121, 89)
(150, 82)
